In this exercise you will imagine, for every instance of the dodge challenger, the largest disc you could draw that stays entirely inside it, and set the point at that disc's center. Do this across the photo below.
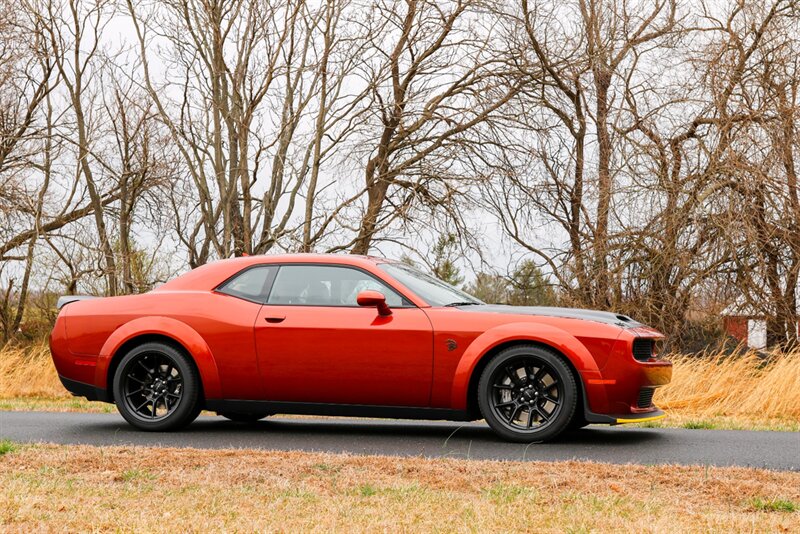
(352, 336)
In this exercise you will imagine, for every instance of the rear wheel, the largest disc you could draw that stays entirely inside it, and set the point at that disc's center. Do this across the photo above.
(157, 388)
(241, 417)
(527, 393)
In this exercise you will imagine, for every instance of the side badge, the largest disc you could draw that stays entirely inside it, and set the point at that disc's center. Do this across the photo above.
(451, 345)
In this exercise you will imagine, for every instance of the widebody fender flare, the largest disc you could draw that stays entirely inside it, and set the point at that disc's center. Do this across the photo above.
(554, 337)
(168, 327)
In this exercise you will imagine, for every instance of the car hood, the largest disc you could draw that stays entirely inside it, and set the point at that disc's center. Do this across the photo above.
(568, 313)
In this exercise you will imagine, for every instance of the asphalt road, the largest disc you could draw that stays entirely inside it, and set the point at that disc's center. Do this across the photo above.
(772, 450)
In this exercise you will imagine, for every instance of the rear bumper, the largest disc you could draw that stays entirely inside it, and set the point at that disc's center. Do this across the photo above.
(80, 389)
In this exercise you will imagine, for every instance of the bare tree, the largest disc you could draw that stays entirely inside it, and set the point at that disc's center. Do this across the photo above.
(439, 80)
(234, 67)
(576, 58)
(26, 80)
(75, 30)
(756, 111)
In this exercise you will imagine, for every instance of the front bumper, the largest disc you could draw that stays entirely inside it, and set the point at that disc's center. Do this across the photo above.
(622, 390)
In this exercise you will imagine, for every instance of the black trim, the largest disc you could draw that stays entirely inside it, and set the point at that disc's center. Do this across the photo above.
(645, 399)
(588, 415)
(599, 418)
(643, 349)
(80, 389)
(345, 410)
(67, 299)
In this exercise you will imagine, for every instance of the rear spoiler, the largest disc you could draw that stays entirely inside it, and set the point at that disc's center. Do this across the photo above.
(66, 299)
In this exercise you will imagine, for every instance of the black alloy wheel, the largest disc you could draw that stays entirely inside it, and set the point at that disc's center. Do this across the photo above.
(527, 393)
(156, 387)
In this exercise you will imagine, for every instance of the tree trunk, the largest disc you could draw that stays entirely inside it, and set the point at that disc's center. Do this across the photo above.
(602, 80)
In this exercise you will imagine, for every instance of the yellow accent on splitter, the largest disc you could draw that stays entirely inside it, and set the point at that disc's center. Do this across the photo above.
(642, 420)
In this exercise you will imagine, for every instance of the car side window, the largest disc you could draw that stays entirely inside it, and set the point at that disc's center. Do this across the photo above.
(250, 284)
(322, 285)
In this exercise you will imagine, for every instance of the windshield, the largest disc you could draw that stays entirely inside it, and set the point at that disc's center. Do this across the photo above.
(434, 291)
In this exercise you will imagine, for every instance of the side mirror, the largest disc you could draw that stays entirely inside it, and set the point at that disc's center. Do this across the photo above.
(374, 298)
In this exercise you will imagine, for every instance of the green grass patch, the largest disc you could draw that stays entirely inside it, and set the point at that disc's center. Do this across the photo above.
(651, 424)
(699, 425)
(327, 468)
(774, 505)
(42, 404)
(721, 422)
(136, 475)
(366, 490)
(506, 493)
(7, 446)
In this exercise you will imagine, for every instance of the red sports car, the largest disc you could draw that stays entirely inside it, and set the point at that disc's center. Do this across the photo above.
(355, 336)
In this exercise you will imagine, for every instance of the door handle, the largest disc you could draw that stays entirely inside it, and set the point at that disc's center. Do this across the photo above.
(275, 318)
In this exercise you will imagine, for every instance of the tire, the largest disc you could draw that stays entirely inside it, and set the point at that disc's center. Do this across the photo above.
(241, 417)
(545, 394)
(157, 388)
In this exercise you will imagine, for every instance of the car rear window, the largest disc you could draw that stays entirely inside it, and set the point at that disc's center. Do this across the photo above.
(250, 284)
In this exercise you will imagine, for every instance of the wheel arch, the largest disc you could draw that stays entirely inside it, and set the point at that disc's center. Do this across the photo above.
(136, 341)
(490, 343)
(472, 389)
(163, 329)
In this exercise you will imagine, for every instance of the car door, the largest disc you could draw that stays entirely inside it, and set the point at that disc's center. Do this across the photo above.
(226, 318)
(316, 344)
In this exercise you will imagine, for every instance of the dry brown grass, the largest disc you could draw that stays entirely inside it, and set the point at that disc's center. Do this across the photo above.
(734, 386)
(71, 488)
(718, 391)
(28, 371)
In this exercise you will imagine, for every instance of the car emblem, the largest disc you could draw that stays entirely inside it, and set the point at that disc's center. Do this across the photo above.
(451, 344)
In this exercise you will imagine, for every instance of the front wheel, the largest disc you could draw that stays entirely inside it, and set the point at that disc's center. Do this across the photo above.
(527, 393)
(157, 388)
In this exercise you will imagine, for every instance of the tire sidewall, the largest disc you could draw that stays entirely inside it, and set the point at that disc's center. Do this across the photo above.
(187, 409)
(566, 377)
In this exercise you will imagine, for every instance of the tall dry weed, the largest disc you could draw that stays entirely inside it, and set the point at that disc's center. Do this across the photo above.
(749, 386)
(28, 371)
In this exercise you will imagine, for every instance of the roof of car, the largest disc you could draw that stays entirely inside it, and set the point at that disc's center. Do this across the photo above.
(214, 273)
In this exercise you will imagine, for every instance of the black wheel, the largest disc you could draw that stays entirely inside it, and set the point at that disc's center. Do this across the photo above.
(241, 417)
(527, 393)
(157, 388)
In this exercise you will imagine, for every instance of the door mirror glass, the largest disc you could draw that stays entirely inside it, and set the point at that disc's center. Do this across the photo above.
(376, 299)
